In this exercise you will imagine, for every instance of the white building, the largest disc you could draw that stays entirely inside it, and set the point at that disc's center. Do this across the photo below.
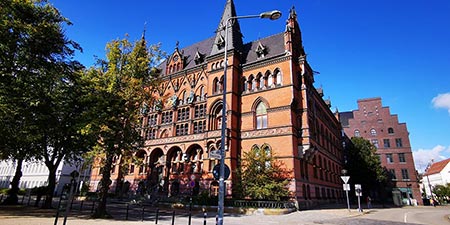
(437, 174)
(35, 174)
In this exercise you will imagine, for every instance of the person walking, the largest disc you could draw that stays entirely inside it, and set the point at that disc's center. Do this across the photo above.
(369, 202)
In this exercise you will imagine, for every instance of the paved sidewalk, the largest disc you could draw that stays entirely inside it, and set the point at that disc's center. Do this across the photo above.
(46, 217)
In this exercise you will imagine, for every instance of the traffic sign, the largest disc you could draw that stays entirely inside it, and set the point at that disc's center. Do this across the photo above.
(345, 179)
(346, 187)
(215, 154)
(358, 190)
(216, 172)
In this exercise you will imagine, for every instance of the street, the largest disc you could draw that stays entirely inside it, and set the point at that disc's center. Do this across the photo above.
(386, 216)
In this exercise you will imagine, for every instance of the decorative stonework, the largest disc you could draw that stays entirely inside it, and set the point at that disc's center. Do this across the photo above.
(267, 132)
(182, 139)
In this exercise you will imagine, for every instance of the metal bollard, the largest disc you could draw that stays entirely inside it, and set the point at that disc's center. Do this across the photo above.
(93, 206)
(126, 215)
(143, 211)
(29, 199)
(81, 205)
(173, 217)
(23, 198)
(156, 216)
(190, 212)
(205, 214)
(57, 211)
(71, 204)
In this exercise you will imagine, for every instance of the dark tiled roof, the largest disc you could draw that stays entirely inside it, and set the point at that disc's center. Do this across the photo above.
(274, 45)
(437, 167)
(344, 117)
(203, 47)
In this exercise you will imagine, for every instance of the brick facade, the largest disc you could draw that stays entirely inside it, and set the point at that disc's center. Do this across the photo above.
(271, 102)
(375, 123)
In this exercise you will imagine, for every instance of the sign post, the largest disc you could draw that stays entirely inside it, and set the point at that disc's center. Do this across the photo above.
(346, 189)
(359, 194)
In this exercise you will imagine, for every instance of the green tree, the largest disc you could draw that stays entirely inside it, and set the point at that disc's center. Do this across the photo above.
(442, 192)
(119, 86)
(36, 75)
(365, 168)
(263, 176)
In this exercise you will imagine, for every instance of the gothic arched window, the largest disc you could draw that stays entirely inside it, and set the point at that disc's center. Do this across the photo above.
(261, 116)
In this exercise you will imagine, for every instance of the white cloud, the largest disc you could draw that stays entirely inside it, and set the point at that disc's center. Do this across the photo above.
(423, 156)
(442, 101)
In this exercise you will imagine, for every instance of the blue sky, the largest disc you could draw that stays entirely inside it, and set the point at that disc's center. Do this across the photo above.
(397, 50)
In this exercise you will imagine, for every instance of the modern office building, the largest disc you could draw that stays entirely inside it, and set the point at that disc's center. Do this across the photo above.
(35, 174)
(374, 122)
(271, 103)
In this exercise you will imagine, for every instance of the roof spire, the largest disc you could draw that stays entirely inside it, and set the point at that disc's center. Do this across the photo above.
(292, 13)
(234, 31)
(145, 29)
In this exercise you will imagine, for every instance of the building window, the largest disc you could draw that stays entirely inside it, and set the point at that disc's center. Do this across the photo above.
(375, 142)
(244, 85)
(357, 133)
(279, 78)
(392, 174)
(269, 80)
(261, 116)
(183, 114)
(167, 117)
(401, 157)
(386, 143)
(390, 130)
(405, 174)
(150, 134)
(398, 142)
(152, 120)
(199, 127)
(200, 111)
(373, 132)
(182, 129)
(389, 158)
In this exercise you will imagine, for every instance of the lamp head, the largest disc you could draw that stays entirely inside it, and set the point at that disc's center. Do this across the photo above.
(272, 15)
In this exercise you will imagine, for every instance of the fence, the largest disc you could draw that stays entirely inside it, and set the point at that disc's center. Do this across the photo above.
(263, 204)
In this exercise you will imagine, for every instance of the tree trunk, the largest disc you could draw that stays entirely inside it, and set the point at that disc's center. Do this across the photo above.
(105, 182)
(50, 187)
(12, 198)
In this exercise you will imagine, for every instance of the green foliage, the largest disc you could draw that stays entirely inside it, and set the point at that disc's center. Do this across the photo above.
(119, 86)
(364, 166)
(40, 88)
(442, 192)
(263, 177)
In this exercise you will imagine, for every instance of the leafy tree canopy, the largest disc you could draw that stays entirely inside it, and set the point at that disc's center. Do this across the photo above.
(264, 177)
(119, 86)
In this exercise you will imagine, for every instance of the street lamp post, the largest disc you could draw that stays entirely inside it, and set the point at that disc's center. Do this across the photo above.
(272, 15)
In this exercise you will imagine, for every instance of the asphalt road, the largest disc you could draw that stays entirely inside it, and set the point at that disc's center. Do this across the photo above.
(418, 215)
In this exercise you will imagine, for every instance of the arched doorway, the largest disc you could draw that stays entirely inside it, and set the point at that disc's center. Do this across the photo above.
(156, 165)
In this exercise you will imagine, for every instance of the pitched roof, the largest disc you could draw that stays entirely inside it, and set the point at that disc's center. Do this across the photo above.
(437, 167)
(345, 117)
(274, 44)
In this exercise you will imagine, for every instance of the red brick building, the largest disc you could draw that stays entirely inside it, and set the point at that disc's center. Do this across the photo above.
(375, 122)
(272, 105)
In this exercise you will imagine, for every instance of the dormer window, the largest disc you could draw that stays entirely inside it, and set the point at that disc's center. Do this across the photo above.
(199, 58)
(220, 42)
(261, 51)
